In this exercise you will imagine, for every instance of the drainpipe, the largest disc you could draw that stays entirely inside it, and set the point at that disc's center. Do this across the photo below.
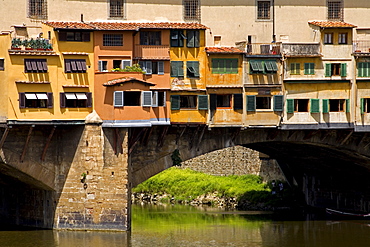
(273, 22)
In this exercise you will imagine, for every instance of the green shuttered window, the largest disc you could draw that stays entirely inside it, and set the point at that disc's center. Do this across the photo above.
(175, 102)
(363, 69)
(251, 103)
(309, 68)
(315, 105)
(192, 69)
(202, 102)
(263, 66)
(290, 105)
(224, 66)
(278, 102)
(177, 69)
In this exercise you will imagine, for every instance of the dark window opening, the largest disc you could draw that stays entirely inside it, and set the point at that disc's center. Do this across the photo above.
(75, 100)
(301, 105)
(35, 66)
(35, 100)
(336, 105)
(188, 101)
(132, 98)
(335, 10)
(112, 39)
(38, 9)
(74, 36)
(263, 102)
(366, 105)
(161, 99)
(150, 38)
(223, 101)
(191, 10)
(116, 8)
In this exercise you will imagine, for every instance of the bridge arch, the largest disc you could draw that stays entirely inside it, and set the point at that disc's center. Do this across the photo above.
(330, 166)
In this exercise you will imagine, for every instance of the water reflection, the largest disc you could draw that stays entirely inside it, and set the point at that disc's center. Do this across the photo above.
(188, 226)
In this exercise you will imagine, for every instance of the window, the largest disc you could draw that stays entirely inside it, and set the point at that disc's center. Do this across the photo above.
(132, 98)
(223, 101)
(177, 38)
(363, 69)
(112, 39)
(192, 69)
(335, 10)
(117, 64)
(191, 10)
(2, 64)
(188, 102)
(152, 67)
(224, 66)
(103, 66)
(35, 100)
(35, 66)
(365, 105)
(158, 99)
(150, 38)
(192, 37)
(38, 9)
(342, 38)
(295, 68)
(328, 38)
(297, 105)
(336, 105)
(75, 65)
(75, 100)
(263, 10)
(335, 69)
(264, 67)
(309, 68)
(74, 36)
(116, 9)
(177, 69)
(263, 102)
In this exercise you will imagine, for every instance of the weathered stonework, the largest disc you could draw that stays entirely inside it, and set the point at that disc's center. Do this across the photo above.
(96, 194)
(236, 160)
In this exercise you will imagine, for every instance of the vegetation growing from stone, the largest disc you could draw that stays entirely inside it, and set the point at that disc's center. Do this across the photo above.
(186, 184)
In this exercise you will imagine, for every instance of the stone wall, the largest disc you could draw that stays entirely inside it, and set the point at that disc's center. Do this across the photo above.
(236, 160)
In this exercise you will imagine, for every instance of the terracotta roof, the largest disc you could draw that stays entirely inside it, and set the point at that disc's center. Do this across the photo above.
(68, 25)
(124, 25)
(33, 82)
(223, 50)
(331, 24)
(126, 79)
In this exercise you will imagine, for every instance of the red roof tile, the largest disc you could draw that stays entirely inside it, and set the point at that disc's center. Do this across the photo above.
(124, 25)
(126, 79)
(331, 24)
(223, 50)
(68, 25)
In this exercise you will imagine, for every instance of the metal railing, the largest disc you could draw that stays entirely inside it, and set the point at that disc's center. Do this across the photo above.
(361, 46)
(263, 48)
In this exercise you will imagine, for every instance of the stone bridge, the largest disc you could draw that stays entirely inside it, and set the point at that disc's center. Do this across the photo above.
(80, 176)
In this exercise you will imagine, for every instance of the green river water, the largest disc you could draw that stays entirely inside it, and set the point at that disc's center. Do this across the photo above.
(188, 226)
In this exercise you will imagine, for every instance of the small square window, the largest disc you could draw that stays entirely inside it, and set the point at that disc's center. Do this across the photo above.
(301, 105)
(2, 64)
(328, 38)
(223, 101)
(112, 39)
(263, 103)
(263, 10)
(342, 38)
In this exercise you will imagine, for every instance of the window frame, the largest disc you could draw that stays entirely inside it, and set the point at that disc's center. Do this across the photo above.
(309, 68)
(192, 69)
(328, 38)
(192, 38)
(177, 38)
(336, 69)
(295, 68)
(189, 102)
(363, 69)
(343, 38)
(112, 39)
(78, 36)
(117, 10)
(261, 101)
(75, 66)
(152, 67)
(191, 10)
(35, 65)
(263, 67)
(2, 64)
(75, 99)
(365, 105)
(177, 69)
(263, 13)
(219, 65)
(37, 9)
(335, 12)
(150, 38)
(224, 101)
(36, 101)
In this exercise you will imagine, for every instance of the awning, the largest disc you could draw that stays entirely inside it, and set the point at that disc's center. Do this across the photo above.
(70, 96)
(81, 96)
(41, 95)
(30, 96)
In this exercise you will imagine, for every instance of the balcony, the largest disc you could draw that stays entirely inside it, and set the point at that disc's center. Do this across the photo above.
(301, 49)
(361, 47)
(31, 47)
(264, 49)
(149, 52)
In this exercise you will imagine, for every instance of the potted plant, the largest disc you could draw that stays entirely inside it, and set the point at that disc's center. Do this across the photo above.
(27, 44)
(32, 44)
(39, 44)
(16, 42)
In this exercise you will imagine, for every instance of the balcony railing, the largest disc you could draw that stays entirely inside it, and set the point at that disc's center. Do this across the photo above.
(361, 46)
(152, 52)
(301, 50)
(263, 49)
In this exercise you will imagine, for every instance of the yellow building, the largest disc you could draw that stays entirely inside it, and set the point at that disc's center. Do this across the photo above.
(48, 79)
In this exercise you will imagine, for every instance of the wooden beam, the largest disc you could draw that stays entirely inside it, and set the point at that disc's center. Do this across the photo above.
(181, 134)
(193, 137)
(119, 140)
(48, 143)
(346, 137)
(201, 136)
(27, 141)
(134, 140)
(272, 134)
(161, 137)
(148, 134)
(310, 134)
(235, 134)
(5, 134)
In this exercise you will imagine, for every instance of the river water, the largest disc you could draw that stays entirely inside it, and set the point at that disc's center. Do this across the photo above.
(188, 226)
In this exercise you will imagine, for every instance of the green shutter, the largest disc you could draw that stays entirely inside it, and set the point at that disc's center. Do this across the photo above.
(348, 105)
(212, 102)
(254, 66)
(309, 68)
(215, 67)
(238, 101)
(360, 69)
(177, 69)
(366, 69)
(325, 106)
(193, 67)
(315, 105)
(328, 69)
(290, 105)
(174, 38)
(251, 103)
(175, 102)
(190, 38)
(343, 69)
(202, 102)
(278, 103)
(234, 66)
(362, 105)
